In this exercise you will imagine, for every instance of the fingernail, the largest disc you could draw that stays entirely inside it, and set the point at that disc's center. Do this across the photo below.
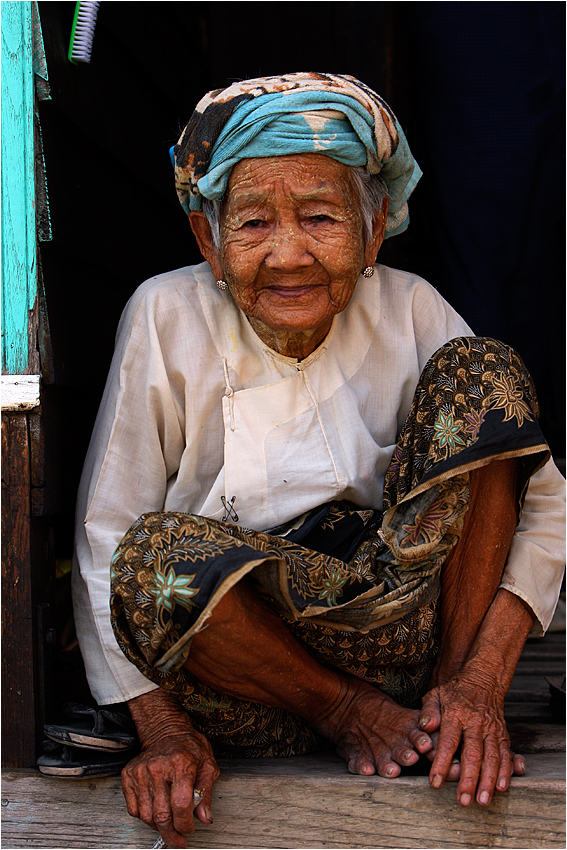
(437, 781)
(390, 771)
(424, 721)
(502, 784)
(522, 765)
(423, 742)
(465, 800)
(484, 798)
(208, 814)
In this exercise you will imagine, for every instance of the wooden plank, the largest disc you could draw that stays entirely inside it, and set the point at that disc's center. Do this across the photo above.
(537, 738)
(309, 802)
(18, 695)
(528, 712)
(528, 689)
(20, 392)
(19, 285)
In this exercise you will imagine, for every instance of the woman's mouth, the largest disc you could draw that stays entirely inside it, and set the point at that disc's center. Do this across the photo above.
(292, 291)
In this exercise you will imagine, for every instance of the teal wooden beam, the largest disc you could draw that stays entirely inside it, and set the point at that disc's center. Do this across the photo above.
(19, 281)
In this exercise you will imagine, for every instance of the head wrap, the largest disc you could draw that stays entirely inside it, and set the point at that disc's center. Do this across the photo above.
(330, 114)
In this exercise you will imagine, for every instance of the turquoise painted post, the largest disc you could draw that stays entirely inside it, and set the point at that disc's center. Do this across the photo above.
(19, 282)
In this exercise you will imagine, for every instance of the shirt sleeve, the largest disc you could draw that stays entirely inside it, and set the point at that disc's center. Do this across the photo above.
(136, 446)
(536, 560)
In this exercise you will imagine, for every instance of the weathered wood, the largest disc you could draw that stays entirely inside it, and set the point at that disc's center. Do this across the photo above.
(528, 689)
(309, 802)
(20, 392)
(537, 738)
(19, 285)
(18, 694)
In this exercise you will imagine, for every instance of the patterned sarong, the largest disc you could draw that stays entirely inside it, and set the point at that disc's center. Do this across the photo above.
(357, 588)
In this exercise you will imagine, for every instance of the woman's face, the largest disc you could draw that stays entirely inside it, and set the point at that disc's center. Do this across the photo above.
(292, 246)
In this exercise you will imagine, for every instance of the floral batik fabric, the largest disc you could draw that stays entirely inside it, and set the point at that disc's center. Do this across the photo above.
(358, 588)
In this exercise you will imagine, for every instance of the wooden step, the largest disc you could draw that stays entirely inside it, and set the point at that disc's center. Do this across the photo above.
(302, 802)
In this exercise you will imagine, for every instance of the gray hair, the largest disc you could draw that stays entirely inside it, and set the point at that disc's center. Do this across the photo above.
(369, 188)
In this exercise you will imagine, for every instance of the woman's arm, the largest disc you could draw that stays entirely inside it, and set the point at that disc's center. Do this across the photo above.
(468, 709)
(175, 760)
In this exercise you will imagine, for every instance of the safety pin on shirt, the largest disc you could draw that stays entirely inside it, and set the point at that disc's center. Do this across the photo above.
(229, 508)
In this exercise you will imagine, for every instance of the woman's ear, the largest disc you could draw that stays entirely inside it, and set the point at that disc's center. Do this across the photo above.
(378, 231)
(202, 230)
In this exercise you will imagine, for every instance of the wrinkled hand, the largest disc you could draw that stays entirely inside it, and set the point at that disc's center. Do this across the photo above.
(158, 784)
(469, 715)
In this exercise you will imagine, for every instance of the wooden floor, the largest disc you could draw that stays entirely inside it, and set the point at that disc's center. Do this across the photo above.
(312, 802)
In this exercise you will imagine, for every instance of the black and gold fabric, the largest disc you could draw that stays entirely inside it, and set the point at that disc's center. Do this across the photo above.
(357, 587)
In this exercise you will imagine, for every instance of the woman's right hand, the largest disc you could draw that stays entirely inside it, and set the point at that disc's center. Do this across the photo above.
(175, 760)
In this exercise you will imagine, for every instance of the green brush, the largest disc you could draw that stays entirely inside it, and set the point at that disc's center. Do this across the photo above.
(82, 33)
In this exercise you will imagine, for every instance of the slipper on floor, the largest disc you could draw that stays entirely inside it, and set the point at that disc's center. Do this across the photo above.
(70, 762)
(93, 728)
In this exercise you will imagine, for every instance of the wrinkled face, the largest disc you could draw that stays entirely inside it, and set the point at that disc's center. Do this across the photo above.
(292, 245)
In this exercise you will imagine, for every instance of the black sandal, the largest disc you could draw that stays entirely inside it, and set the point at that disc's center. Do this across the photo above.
(73, 763)
(93, 728)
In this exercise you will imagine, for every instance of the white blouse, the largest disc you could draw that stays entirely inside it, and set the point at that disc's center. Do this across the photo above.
(198, 412)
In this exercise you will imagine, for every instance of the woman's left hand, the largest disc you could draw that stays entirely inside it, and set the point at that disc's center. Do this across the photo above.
(468, 713)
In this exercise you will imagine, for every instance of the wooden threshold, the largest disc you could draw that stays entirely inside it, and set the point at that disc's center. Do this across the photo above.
(313, 802)
(303, 802)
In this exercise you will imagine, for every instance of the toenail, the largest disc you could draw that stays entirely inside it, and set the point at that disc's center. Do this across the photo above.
(465, 800)
(437, 781)
(522, 765)
(484, 798)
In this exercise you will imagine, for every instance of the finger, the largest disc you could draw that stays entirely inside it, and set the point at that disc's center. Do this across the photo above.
(145, 797)
(489, 772)
(506, 769)
(447, 745)
(429, 719)
(181, 798)
(129, 791)
(454, 771)
(471, 762)
(163, 815)
(206, 777)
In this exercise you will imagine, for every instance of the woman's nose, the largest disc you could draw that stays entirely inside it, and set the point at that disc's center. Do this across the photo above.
(289, 248)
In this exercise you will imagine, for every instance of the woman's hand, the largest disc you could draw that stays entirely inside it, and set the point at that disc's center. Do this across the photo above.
(175, 760)
(468, 713)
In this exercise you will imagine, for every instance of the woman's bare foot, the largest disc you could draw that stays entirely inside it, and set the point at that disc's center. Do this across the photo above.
(373, 733)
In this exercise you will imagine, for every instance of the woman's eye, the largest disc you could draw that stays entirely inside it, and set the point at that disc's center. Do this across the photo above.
(320, 219)
(254, 223)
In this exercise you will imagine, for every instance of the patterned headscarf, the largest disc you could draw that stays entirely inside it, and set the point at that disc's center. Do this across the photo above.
(296, 113)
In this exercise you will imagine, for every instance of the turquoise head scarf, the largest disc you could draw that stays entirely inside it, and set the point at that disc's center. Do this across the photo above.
(297, 113)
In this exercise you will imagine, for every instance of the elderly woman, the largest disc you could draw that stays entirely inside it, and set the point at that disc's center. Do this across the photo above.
(324, 473)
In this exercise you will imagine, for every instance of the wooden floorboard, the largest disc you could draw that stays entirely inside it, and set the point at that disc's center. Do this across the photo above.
(308, 801)
(313, 802)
